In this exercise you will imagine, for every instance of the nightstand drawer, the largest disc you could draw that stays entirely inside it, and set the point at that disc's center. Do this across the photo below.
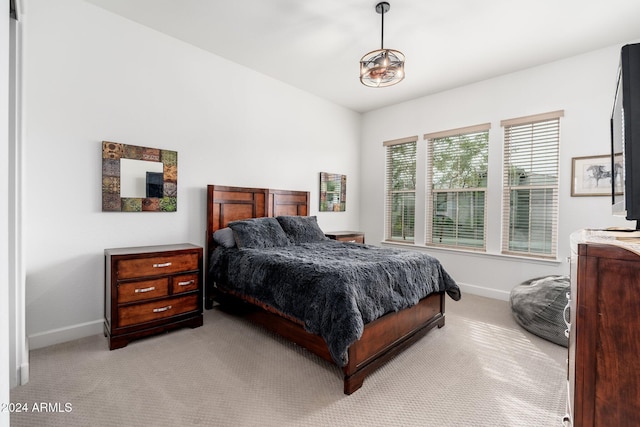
(156, 265)
(184, 283)
(148, 311)
(346, 236)
(136, 291)
(352, 239)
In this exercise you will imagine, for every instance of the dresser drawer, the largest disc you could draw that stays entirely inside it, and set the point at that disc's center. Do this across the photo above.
(184, 283)
(146, 289)
(148, 311)
(156, 265)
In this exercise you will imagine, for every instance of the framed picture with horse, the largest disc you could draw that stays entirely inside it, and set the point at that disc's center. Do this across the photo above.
(593, 175)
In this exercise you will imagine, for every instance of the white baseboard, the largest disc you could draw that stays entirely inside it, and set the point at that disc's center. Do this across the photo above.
(21, 369)
(68, 333)
(484, 292)
(24, 373)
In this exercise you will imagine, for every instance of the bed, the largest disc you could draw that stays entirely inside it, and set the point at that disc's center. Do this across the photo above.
(369, 335)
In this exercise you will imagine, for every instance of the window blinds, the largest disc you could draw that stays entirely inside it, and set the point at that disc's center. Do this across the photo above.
(530, 186)
(401, 189)
(457, 162)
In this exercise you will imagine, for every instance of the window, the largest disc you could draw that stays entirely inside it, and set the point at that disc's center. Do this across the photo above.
(401, 189)
(530, 189)
(457, 162)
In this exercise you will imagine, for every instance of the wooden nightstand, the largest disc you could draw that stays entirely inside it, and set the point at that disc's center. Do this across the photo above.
(346, 236)
(151, 289)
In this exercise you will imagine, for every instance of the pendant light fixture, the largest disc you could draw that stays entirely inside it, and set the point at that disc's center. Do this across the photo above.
(382, 67)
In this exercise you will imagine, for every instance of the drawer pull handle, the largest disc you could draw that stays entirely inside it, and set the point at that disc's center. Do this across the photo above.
(188, 282)
(166, 264)
(149, 289)
(352, 241)
(564, 316)
(161, 309)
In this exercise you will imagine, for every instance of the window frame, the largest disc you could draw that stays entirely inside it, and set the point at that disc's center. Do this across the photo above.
(431, 193)
(543, 127)
(390, 192)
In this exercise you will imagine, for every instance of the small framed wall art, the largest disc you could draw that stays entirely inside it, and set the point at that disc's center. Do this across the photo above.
(593, 175)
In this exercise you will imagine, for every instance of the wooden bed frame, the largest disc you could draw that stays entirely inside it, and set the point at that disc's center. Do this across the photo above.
(381, 340)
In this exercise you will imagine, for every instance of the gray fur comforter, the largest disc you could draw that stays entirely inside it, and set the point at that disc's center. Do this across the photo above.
(335, 288)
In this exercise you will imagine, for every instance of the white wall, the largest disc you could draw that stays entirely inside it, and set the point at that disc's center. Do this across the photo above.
(582, 86)
(90, 76)
(4, 213)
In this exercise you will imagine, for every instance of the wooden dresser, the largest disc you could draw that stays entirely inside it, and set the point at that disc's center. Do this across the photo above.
(151, 289)
(604, 338)
(346, 236)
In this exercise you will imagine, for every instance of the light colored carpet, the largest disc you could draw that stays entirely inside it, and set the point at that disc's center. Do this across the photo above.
(481, 369)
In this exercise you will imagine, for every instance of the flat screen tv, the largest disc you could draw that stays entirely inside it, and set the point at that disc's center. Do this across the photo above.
(625, 136)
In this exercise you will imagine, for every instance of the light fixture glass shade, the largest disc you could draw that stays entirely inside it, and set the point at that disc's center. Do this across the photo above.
(382, 67)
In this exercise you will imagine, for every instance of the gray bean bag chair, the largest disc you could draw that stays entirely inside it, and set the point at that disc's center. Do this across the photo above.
(538, 304)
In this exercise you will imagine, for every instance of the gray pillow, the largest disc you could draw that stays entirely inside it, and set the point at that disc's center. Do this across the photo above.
(301, 229)
(259, 233)
(224, 237)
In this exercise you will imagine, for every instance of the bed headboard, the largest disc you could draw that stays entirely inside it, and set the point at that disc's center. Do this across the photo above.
(226, 204)
(287, 202)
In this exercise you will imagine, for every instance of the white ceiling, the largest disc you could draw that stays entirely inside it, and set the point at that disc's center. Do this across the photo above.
(316, 45)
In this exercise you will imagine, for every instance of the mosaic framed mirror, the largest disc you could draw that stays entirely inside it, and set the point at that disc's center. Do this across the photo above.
(333, 192)
(138, 179)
